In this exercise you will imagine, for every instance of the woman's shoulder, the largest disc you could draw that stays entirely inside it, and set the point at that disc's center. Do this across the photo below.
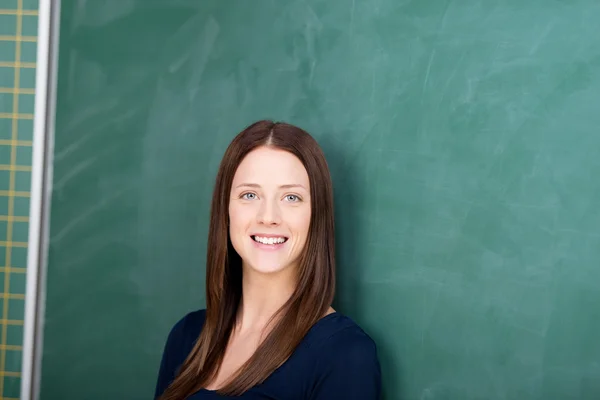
(180, 341)
(184, 333)
(345, 359)
(191, 322)
(337, 333)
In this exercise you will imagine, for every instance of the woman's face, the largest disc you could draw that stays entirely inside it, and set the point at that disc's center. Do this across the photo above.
(269, 210)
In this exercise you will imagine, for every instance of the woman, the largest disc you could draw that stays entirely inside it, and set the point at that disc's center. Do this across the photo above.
(268, 330)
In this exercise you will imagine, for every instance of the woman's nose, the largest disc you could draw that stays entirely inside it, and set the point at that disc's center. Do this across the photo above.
(269, 213)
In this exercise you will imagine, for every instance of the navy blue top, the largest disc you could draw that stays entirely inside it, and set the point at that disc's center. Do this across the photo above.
(335, 360)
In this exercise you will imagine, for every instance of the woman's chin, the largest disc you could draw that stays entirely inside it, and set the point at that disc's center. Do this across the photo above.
(268, 268)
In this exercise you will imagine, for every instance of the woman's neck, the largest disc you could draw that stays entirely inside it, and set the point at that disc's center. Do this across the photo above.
(262, 296)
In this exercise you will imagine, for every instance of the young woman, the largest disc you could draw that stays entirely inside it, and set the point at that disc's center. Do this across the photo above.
(268, 330)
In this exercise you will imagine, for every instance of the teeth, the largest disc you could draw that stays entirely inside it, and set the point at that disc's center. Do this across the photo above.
(270, 240)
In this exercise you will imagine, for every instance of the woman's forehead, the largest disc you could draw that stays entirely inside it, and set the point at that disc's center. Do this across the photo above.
(267, 166)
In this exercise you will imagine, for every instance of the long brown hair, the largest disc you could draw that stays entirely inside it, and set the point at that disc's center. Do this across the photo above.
(316, 274)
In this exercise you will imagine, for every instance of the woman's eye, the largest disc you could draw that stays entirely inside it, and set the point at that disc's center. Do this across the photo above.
(248, 196)
(292, 198)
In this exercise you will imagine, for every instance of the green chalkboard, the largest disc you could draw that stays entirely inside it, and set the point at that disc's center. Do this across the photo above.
(463, 139)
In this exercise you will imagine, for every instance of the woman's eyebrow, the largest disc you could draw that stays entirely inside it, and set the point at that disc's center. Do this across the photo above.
(252, 185)
(292, 186)
(286, 186)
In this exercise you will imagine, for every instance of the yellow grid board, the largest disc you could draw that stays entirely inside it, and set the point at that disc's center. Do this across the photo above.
(18, 46)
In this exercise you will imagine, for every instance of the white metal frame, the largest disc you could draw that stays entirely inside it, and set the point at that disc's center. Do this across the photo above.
(41, 188)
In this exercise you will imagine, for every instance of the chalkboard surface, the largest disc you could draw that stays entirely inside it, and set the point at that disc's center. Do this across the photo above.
(463, 139)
